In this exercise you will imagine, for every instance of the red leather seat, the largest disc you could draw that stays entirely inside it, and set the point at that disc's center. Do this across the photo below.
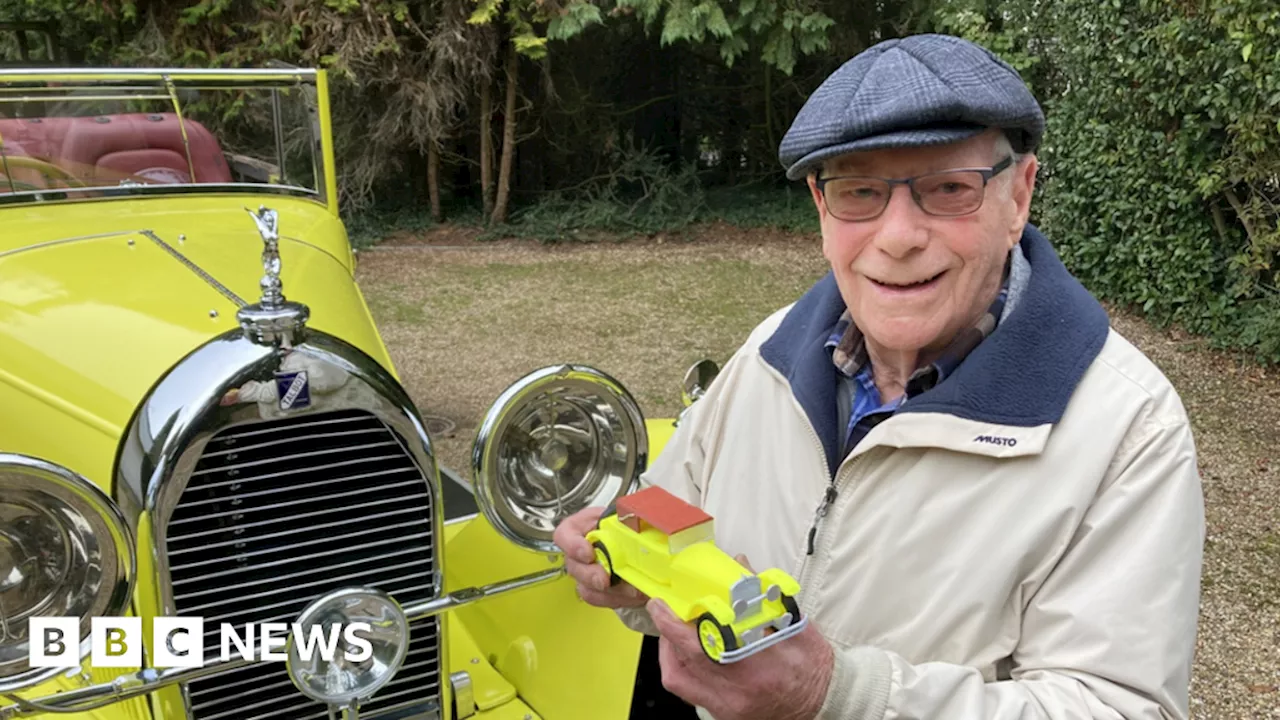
(109, 148)
(105, 149)
(38, 138)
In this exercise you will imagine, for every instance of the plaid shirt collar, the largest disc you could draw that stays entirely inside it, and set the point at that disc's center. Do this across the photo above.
(849, 349)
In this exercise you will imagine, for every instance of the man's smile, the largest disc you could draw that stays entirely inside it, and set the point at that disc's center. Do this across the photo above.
(907, 285)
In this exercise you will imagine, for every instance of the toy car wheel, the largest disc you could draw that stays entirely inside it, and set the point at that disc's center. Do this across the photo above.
(610, 509)
(791, 606)
(606, 562)
(716, 639)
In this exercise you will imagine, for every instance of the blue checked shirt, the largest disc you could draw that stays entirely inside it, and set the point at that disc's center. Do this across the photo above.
(849, 353)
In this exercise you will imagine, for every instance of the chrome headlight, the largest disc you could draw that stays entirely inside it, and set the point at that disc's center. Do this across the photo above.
(558, 440)
(65, 551)
(360, 660)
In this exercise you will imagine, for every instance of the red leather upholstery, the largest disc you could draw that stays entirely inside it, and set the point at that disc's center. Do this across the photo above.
(105, 149)
(39, 138)
(145, 144)
(36, 137)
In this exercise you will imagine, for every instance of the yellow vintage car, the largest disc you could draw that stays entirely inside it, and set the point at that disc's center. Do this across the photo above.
(198, 418)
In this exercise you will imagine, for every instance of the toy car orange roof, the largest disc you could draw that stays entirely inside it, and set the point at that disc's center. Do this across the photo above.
(661, 509)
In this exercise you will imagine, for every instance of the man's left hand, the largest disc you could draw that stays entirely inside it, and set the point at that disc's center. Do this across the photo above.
(787, 681)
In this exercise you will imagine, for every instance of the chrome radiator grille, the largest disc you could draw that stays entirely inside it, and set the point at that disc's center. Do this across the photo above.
(277, 514)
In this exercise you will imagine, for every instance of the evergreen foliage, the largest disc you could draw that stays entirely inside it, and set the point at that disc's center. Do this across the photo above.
(1160, 180)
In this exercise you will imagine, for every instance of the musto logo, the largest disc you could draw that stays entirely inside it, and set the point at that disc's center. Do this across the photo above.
(179, 642)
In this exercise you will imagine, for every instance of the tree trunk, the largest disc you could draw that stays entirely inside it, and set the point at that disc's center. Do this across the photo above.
(433, 181)
(486, 146)
(768, 106)
(508, 139)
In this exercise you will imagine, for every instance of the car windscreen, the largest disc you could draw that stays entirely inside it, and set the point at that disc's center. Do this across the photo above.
(79, 139)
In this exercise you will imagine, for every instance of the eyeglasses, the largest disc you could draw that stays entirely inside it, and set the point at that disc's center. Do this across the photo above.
(947, 193)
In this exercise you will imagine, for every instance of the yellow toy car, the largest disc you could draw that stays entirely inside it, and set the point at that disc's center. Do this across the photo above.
(666, 548)
(198, 418)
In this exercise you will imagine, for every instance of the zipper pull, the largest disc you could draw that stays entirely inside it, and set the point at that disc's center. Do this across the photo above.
(827, 499)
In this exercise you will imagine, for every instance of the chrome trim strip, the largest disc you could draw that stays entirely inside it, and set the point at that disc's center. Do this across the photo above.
(200, 272)
(117, 192)
(60, 241)
(122, 233)
(154, 73)
(462, 518)
(149, 680)
(56, 93)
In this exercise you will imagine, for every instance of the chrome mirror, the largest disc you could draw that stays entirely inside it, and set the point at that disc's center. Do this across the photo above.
(356, 640)
(65, 551)
(697, 379)
(558, 440)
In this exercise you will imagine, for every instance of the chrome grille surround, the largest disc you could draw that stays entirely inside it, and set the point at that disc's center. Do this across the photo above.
(315, 476)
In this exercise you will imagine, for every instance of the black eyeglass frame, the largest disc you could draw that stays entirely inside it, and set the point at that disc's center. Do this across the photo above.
(987, 173)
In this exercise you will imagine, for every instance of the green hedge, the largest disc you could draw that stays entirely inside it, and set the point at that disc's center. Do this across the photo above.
(1161, 184)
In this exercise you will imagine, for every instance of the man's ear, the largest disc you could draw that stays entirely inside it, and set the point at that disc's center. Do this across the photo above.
(1024, 186)
(812, 179)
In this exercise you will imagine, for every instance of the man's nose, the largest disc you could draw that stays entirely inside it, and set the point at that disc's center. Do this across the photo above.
(901, 231)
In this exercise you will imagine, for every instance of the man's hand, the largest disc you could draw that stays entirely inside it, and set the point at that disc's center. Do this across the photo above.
(787, 681)
(580, 562)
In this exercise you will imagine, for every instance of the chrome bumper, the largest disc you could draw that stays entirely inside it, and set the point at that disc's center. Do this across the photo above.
(756, 640)
(150, 679)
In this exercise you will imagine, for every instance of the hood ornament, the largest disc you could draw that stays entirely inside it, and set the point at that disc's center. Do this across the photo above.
(273, 320)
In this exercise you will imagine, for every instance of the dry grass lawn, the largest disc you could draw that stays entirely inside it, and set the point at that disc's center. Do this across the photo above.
(465, 319)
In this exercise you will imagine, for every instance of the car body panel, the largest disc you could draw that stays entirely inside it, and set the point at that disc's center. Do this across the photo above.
(90, 323)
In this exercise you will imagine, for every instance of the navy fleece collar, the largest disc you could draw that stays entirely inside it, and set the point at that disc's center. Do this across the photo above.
(1023, 374)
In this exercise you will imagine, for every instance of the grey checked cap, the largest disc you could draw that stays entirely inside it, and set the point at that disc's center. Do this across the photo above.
(913, 91)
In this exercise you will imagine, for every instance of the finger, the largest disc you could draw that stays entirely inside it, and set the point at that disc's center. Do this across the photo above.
(681, 635)
(676, 677)
(688, 680)
(570, 534)
(592, 576)
(623, 596)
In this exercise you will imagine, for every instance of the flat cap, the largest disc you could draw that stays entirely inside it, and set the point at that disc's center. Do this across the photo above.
(912, 91)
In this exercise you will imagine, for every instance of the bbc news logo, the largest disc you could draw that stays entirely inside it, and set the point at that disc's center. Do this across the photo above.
(179, 642)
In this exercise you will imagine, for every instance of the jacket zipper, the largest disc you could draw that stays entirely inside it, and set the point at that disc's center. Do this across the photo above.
(828, 498)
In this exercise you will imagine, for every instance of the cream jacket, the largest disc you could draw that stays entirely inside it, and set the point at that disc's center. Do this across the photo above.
(1022, 541)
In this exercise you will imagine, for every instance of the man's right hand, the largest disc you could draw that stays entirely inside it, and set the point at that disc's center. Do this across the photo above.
(580, 562)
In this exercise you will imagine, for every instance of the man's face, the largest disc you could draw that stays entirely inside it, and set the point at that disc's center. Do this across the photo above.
(913, 280)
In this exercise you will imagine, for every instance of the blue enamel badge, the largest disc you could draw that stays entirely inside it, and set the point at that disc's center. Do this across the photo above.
(293, 390)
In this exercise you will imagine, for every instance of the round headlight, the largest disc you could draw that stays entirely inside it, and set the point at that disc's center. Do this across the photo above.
(65, 551)
(558, 440)
(354, 670)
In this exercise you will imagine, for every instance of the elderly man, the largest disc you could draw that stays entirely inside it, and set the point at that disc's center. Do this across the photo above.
(990, 498)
